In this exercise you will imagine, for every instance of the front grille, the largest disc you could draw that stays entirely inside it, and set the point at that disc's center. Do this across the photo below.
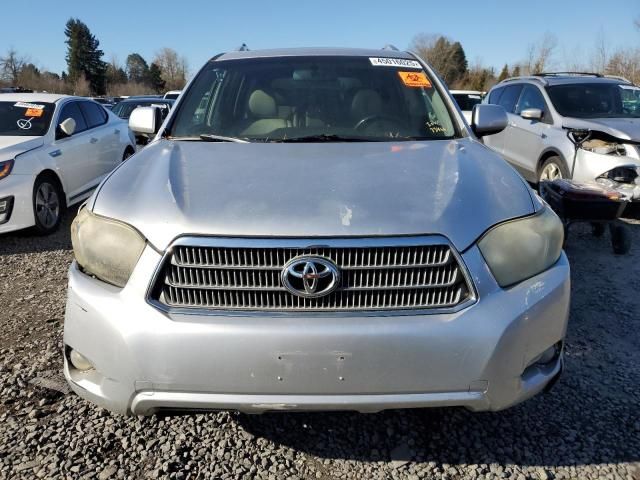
(372, 278)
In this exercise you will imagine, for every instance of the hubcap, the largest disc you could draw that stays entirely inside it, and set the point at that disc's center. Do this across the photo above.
(47, 205)
(551, 172)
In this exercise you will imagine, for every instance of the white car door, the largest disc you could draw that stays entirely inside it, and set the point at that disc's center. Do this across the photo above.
(105, 138)
(73, 154)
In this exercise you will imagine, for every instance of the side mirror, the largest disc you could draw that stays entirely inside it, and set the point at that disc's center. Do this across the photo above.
(145, 120)
(68, 126)
(531, 114)
(488, 119)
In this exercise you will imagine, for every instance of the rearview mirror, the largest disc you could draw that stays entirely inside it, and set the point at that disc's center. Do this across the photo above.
(487, 119)
(145, 120)
(68, 126)
(531, 114)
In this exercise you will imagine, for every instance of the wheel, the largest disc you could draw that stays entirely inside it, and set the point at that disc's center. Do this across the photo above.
(620, 239)
(552, 169)
(597, 229)
(48, 205)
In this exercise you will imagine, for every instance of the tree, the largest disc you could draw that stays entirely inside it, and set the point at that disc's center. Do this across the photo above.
(11, 65)
(504, 73)
(84, 57)
(540, 54)
(516, 71)
(173, 67)
(137, 68)
(155, 80)
(446, 57)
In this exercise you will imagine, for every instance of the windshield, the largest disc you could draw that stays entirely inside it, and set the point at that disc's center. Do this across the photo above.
(466, 101)
(595, 100)
(124, 109)
(328, 98)
(25, 119)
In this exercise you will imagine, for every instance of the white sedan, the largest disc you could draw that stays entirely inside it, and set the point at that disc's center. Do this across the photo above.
(54, 151)
(466, 100)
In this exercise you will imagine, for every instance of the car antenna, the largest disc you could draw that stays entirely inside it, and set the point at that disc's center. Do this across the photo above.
(242, 48)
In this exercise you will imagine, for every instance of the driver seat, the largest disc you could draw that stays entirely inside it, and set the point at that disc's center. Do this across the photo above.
(366, 103)
(262, 107)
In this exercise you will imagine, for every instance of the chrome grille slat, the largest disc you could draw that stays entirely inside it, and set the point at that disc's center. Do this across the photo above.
(373, 278)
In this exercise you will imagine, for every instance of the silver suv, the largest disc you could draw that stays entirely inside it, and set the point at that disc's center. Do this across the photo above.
(315, 229)
(571, 125)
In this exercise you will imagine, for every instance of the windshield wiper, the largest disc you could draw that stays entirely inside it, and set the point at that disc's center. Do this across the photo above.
(323, 137)
(209, 137)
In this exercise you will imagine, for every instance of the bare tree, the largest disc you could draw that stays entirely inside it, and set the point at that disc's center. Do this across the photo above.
(625, 63)
(540, 54)
(600, 57)
(174, 68)
(11, 65)
(82, 87)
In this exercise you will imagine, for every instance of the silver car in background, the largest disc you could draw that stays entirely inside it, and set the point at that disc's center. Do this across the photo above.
(570, 125)
(315, 229)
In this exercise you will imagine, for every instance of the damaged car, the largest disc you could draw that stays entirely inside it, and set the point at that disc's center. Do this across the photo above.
(584, 127)
(315, 229)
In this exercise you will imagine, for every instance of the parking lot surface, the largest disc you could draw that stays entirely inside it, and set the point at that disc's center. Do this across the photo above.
(588, 426)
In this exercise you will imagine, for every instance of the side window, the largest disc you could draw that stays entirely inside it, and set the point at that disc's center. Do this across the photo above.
(495, 94)
(509, 98)
(71, 110)
(94, 114)
(531, 98)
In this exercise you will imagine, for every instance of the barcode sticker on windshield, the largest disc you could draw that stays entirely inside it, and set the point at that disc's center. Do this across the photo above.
(394, 62)
(28, 105)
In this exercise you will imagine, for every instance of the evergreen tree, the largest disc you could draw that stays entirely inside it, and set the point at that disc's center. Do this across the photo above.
(155, 80)
(84, 57)
(137, 68)
(504, 73)
(516, 71)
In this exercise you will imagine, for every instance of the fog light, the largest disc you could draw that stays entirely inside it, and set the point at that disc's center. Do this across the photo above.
(547, 356)
(6, 205)
(79, 361)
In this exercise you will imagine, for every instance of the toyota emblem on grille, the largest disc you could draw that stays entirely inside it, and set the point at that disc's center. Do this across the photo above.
(310, 276)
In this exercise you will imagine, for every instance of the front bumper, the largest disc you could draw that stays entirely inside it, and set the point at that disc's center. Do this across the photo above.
(147, 360)
(20, 189)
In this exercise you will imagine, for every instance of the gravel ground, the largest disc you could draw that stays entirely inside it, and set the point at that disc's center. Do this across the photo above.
(588, 426)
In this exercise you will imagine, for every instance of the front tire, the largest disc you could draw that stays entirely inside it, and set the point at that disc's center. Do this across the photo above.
(48, 205)
(553, 168)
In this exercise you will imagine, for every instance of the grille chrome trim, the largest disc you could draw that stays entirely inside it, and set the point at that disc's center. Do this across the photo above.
(202, 284)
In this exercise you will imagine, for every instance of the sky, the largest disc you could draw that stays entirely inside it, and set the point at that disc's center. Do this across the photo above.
(493, 34)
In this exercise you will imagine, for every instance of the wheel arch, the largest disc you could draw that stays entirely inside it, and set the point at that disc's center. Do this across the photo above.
(548, 153)
(49, 173)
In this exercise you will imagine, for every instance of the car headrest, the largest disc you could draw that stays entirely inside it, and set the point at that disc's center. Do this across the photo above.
(366, 103)
(262, 105)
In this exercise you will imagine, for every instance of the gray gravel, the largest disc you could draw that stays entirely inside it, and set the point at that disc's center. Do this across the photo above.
(587, 427)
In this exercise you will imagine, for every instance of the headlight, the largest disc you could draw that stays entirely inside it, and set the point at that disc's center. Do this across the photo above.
(522, 248)
(105, 248)
(5, 168)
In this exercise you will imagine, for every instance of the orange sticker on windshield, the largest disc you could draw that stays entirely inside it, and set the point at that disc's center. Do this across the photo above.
(34, 112)
(415, 79)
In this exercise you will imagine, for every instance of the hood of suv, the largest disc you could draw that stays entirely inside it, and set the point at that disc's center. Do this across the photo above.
(622, 128)
(455, 188)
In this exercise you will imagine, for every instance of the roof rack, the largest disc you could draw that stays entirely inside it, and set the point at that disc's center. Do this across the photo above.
(618, 77)
(526, 77)
(388, 46)
(560, 74)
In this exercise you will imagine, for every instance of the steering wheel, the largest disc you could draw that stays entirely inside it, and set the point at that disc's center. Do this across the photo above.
(366, 121)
